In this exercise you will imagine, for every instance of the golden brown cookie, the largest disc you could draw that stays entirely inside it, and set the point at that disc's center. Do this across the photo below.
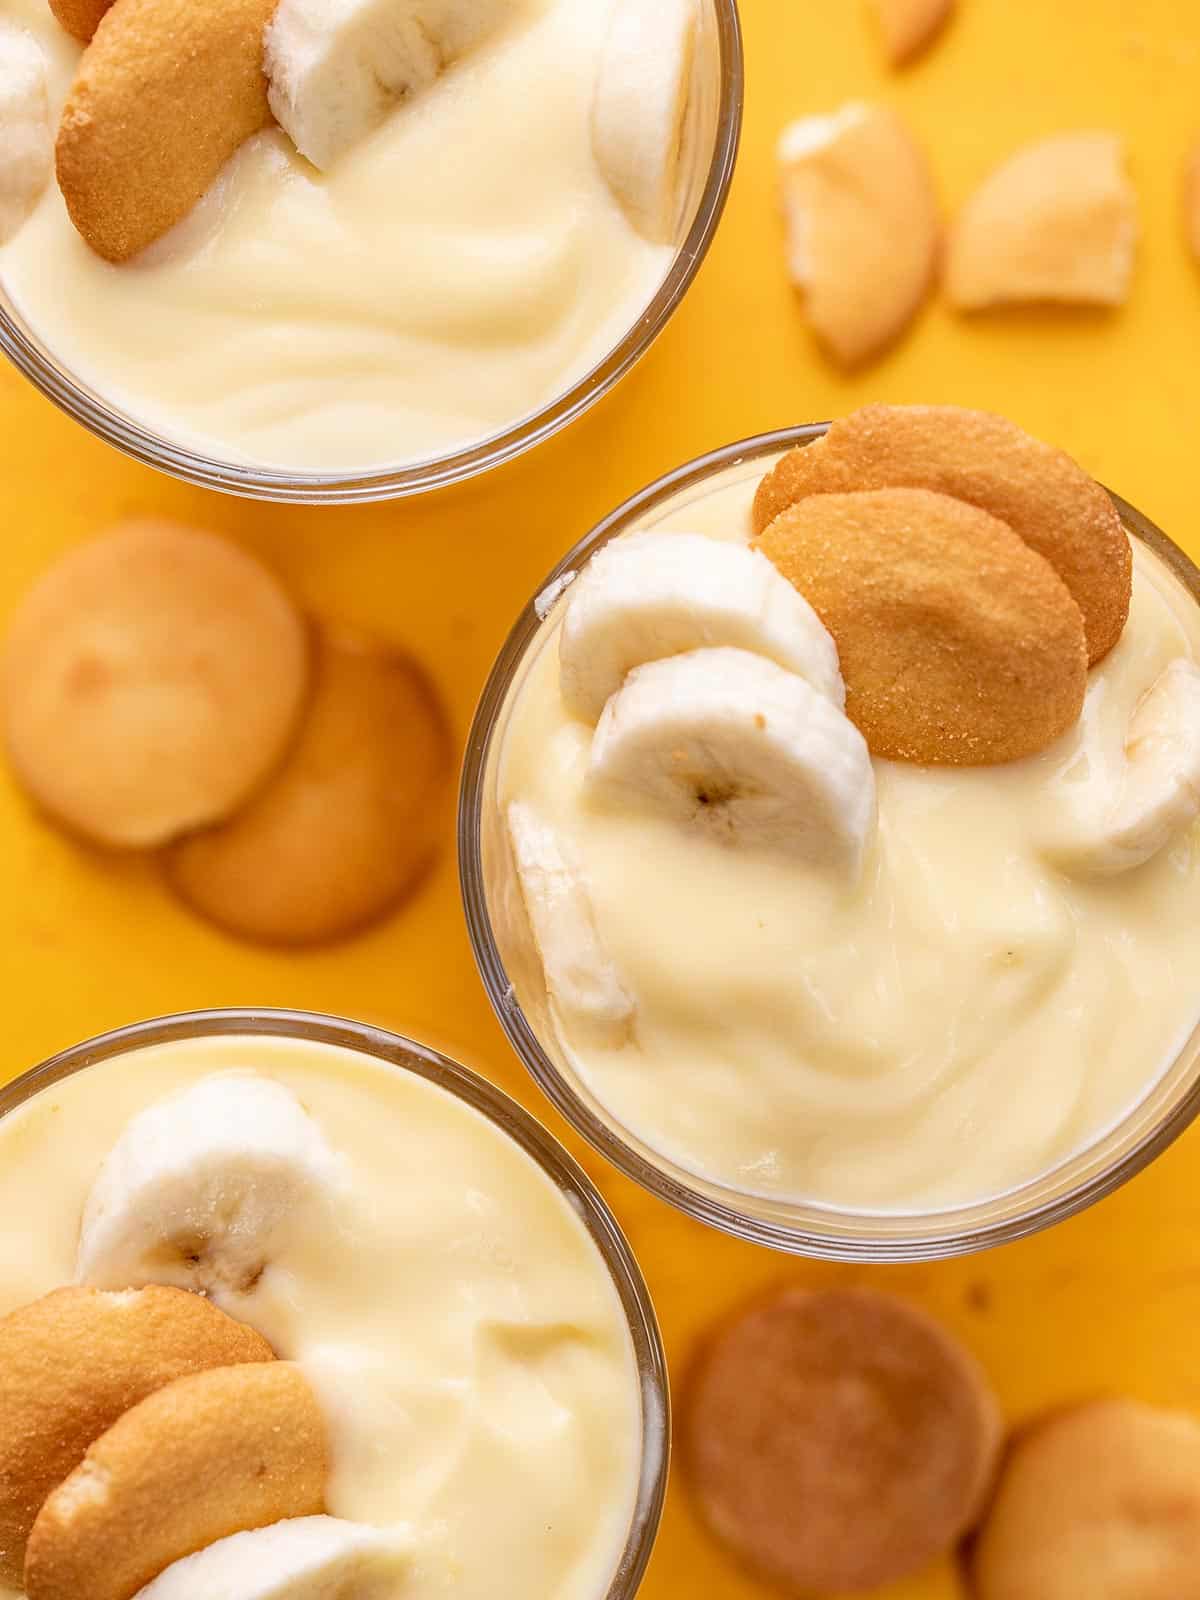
(1041, 493)
(351, 822)
(959, 645)
(72, 1363)
(1057, 222)
(839, 1439)
(207, 1456)
(151, 680)
(1101, 1502)
(165, 93)
(863, 226)
(909, 25)
(80, 18)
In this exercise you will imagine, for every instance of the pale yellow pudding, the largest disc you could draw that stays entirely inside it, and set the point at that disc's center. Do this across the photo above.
(462, 1333)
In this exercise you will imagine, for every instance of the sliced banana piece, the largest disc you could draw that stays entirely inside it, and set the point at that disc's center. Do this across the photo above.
(862, 226)
(1056, 222)
(337, 67)
(27, 142)
(203, 1189)
(580, 976)
(653, 595)
(304, 1558)
(1159, 793)
(638, 113)
(729, 742)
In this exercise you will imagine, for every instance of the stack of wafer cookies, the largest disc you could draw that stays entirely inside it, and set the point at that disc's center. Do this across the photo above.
(162, 691)
(968, 573)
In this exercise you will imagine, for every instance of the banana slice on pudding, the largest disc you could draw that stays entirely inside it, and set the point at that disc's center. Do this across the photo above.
(27, 148)
(336, 68)
(728, 742)
(203, 1189)
(304, 1558)
(1157, 793)
(653, 595)
(580, 976)
(206, 1457)
(639, 109)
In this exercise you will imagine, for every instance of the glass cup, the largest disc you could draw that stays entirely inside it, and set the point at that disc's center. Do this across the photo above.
(710, 151)
(511, 1120)
(511, 968)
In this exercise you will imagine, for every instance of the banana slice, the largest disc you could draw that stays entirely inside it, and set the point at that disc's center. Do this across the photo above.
(580, 977)
(305, 1558)
(337, 67)
(862, 226)
(638, 113)
(203, 1189)
(1056, 222)
(1159, 794)
(728, 741)
(653, 595)
(27, 145)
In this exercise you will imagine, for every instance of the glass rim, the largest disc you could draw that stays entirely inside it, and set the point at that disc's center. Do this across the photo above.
(509, 1118)
(953, 1239)
(152, 448)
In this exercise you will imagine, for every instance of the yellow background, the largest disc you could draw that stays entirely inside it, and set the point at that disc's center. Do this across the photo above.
(1111, 1300)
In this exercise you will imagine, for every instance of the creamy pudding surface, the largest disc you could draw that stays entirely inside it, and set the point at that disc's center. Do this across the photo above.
(459, 1327)
(451, 274)
(961, 1017)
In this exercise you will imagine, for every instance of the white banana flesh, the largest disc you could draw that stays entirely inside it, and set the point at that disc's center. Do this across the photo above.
(731, 743)
(1158, 796)
(204, 1189)
(653, 595)
(26, 136)
(308, 1558)
(640, 107)
(580, 977)
(336, 68)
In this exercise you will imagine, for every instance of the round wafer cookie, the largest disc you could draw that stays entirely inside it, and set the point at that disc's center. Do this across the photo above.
(1101, 1501)
(152, 678)
(959, 645)
(351, 821)
(839, 1439)
(207, 1456)
(1043, 495)
(72, 1363)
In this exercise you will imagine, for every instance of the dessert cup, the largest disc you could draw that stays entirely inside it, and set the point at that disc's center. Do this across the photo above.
(507, 1118)
(512, 972)
(710, 151)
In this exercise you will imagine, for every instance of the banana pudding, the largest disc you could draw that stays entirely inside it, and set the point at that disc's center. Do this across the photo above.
(334, 238)
(825, 870)
(327, 1328)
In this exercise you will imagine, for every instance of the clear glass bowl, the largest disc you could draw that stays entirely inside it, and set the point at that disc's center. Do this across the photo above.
(512, 972)
(513, 1121)
(710, 147)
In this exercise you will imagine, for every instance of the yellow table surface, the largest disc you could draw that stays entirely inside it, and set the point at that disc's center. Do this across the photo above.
(1109, 1301)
